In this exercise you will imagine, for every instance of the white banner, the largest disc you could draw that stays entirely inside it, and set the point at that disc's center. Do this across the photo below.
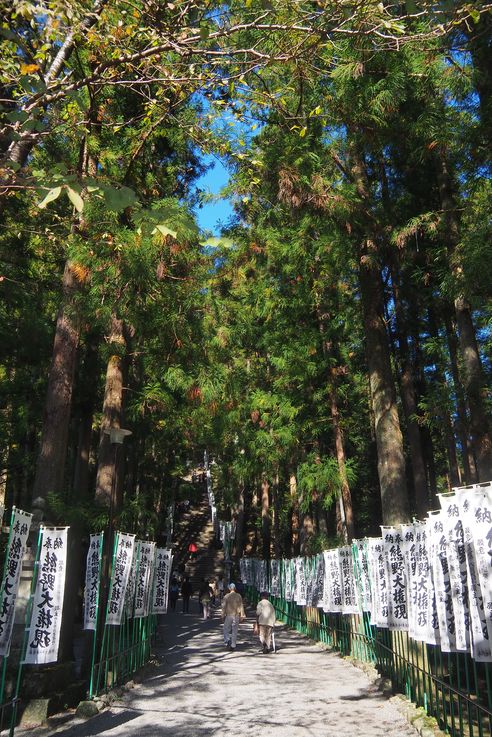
(476, 514)
(380, 589)
(396, 577)
(310, 576)
(92, 581)
(362, 575)
(144, 578)
(442, 583)
(19, 530)
(289, 580)
(162, 574)
(275, 577)
(129, 607)
(319, 580)
(262, 575)
(300, 585)
(456, 554)
(125, 544)
(326, 600)
(47, 604)
(349, 593)
(410, 552)
(333, 576)
(227, 535)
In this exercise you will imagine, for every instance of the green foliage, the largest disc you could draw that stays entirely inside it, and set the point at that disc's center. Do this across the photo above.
(318, 479)
(82, 514)
(319, 542)
(252, 342)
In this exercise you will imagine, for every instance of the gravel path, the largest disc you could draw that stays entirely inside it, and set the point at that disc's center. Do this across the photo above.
(201, 690)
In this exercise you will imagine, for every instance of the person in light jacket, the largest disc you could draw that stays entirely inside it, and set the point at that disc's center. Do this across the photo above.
(232, 614)
(265, 617)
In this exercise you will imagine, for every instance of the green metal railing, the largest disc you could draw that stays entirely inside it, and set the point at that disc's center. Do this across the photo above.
(125, 648)
(451, 687)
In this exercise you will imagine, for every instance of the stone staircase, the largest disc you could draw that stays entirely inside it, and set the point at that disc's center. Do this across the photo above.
(195, 525)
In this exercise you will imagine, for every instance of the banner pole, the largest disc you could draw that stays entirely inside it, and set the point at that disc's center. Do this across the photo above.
(94, 642)
(134, 619)
(4, 576)
(34, 581)
(105, 626)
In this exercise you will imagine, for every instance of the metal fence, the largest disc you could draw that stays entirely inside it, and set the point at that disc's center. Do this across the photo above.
(124, 649)
(118, 652)
(451, 687)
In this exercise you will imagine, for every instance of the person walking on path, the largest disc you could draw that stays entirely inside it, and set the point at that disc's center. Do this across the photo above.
(192, 550)
(204, 597)
(232, 613)
(173, 592)
(186, 592)
(220, 588)
(265, 618)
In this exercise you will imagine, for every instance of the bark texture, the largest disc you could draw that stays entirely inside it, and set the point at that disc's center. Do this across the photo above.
(473, 380)
(266, 522)
(112, 418)
(389, 441)
(50, 466)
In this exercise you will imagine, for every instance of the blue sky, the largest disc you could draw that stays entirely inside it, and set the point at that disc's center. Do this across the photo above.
(214, 214)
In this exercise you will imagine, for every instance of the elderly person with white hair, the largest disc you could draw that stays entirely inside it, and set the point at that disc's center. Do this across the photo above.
(232, 613)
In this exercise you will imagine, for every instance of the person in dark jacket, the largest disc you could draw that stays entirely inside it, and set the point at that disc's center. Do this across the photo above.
(186, 592)
(173, 592)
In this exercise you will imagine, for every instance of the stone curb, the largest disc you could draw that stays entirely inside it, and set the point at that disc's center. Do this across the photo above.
(425, 725)
(87, 709)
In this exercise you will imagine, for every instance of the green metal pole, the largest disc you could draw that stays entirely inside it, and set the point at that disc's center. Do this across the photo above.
(477, 691)
(459, 657)
(34, 581)
(94, 643)
(443, 695)
(468, 691)
(105, 638)
(489, 685)
(4, 575)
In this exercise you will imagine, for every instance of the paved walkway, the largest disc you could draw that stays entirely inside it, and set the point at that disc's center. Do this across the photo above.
(201, 690)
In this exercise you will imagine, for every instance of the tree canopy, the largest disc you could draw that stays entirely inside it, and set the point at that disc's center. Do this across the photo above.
(331, 349)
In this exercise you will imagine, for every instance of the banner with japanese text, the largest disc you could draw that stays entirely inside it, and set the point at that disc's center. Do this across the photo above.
(289, 580)
(349, 592)
(92, 581)
(476, 514)
(262, 575)
(379, 582)
(432, 578)
(362, 574)
(19, 530)
(124, 547)
(442, 585)
(162, 575)
(129, 606)
(310, 577)
(144, 578)
(275, 577)
(396, 577)
(318, 583)
(333, 578)
(47, 603)
(325, 602)
(456, 555)
(300, 582)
